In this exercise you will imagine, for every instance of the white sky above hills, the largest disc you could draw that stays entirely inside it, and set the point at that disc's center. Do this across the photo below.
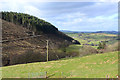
(90, 15)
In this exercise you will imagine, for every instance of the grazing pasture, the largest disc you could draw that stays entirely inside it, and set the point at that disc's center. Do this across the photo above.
(90, 66)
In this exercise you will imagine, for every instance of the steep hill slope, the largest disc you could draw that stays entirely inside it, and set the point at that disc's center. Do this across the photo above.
(23, 44)
(35, 25)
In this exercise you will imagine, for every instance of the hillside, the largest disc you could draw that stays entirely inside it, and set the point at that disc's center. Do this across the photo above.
(26, 42)
(34, 24)
(91, 66)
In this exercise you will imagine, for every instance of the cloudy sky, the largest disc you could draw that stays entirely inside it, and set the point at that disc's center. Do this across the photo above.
(74, 16)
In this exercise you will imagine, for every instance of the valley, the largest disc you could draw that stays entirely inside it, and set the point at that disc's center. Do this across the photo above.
(70, 54)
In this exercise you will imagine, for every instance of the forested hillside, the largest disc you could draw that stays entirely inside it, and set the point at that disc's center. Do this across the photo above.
(24, 39)
(36, 25)
(30, 22)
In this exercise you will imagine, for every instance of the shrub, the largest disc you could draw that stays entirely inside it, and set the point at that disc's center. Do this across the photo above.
(5, 59)
(102, 45)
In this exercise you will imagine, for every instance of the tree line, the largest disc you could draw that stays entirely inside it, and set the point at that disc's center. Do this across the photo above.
(31, 22)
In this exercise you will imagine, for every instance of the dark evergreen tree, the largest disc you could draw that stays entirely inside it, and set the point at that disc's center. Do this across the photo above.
(102, 45)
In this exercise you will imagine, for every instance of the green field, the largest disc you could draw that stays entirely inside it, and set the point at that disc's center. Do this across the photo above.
(93, 38)
(73, 48)
(91, 66)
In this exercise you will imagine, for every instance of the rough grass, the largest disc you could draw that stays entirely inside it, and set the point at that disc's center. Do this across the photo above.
(73, 48)
(80, 50)
(92, 66)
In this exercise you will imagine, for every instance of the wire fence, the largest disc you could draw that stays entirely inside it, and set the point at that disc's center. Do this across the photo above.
(58, 75)
(49, 75)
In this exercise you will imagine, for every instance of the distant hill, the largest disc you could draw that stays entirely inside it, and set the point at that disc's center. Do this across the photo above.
(107, 32)
(24, 39)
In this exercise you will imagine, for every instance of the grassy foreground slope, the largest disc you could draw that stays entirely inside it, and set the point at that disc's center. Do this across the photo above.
(92, 66)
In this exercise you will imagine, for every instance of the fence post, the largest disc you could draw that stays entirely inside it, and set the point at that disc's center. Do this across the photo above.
(61, 74)
(28, 76)
(107, 76)
(71, 74)
(46, 74)
(47, 50)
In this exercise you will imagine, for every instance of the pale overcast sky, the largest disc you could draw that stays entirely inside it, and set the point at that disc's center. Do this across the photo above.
(74, 16)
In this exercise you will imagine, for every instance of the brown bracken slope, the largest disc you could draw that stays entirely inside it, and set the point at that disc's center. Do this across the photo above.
(21, 45)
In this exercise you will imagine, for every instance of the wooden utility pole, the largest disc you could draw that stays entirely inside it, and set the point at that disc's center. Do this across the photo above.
(47, 50)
